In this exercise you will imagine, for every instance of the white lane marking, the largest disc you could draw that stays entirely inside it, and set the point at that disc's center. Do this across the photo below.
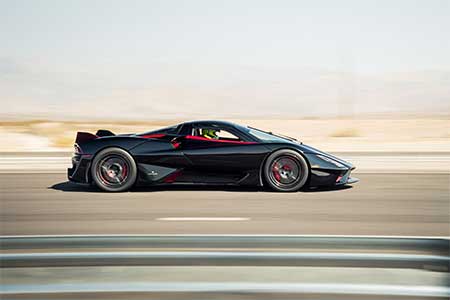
(203, 219)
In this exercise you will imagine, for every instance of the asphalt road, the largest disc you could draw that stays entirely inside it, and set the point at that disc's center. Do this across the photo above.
(381, 204)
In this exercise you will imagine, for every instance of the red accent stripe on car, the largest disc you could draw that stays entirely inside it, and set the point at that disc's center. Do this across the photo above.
(200, 138)
(172, 177)
(176, 144)
(153, 136)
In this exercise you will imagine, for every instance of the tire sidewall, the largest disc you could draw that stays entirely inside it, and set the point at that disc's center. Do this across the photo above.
(300, 160)
(131, 179)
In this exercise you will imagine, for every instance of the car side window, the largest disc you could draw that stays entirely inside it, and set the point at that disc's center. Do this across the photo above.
(215, 133)
(226, 135)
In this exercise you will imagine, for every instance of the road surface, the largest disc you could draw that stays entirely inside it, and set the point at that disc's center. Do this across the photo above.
(381, 204)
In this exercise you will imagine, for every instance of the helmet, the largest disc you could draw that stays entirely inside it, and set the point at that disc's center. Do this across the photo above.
(210, 133)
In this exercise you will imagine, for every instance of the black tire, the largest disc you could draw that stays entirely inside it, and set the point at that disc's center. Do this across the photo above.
(286, 171)
(114, 170)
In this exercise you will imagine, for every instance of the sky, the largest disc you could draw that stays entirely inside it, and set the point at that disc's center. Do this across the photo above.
(163, 59)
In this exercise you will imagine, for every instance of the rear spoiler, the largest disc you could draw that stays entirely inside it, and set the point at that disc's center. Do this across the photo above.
(83, 137)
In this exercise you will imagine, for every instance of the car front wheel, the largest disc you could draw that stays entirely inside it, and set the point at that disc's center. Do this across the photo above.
(286, 171)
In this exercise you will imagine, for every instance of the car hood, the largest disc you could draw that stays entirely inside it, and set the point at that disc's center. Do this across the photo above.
(308, 149)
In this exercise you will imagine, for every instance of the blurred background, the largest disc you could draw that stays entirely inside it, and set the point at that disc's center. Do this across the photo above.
(375, 73)
(368, 81)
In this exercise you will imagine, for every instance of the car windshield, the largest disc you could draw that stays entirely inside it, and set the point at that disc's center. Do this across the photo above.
(267, 136)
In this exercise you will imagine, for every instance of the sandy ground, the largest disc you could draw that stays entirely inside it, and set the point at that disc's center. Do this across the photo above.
(335, 135)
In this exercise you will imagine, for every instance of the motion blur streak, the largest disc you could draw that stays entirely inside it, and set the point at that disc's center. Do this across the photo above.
(310, 266)
(367, 81)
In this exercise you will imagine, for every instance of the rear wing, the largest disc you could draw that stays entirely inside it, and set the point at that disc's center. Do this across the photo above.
(83, 137)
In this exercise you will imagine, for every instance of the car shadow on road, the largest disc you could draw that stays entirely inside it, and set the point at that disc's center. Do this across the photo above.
(68, 186)
(327, 189)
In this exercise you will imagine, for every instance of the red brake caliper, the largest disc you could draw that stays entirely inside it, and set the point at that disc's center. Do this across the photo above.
(124, 171)
(275, 171)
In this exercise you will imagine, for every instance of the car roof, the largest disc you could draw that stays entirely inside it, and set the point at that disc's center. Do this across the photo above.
(211, 123)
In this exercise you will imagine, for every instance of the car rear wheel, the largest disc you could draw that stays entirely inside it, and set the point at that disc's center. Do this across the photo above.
(286, 171)
(114, 170)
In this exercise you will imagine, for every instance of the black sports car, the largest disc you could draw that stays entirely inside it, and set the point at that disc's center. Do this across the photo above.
(203, 152)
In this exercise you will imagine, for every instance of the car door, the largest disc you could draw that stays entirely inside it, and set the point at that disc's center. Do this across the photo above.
(226, 159)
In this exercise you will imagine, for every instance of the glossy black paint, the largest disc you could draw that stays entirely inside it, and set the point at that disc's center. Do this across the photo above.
(171, 155)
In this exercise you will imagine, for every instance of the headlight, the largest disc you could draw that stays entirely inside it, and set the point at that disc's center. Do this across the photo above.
(332, 161)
